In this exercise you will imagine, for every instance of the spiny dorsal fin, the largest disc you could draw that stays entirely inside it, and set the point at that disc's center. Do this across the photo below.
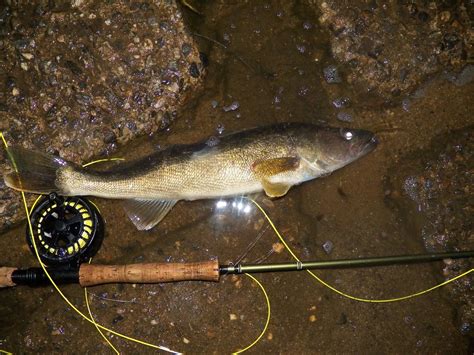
(145, 214)
(265, 169)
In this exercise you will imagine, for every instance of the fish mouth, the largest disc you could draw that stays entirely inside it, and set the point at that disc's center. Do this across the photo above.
(366, 146)
(370, 145)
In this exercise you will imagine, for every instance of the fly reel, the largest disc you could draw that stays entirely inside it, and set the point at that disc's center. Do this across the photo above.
(66, 230)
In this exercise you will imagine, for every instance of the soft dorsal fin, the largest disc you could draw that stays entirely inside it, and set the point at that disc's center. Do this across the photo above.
(145, 214)
(265, 169)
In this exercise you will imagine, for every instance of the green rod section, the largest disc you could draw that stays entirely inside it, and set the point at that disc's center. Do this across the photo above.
(343, 263)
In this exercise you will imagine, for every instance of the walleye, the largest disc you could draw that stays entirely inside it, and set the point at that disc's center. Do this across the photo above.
(272, 158)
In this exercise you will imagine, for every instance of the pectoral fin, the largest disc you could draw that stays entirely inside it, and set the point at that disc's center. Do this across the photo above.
(265, 169)
(145, 214)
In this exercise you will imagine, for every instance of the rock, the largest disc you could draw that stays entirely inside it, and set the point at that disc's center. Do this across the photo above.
(331, 75)
(432, 191)
(344, 116)
(83, 78)
(232, 107)
(392, 47)
(341, 102)
(328, 246)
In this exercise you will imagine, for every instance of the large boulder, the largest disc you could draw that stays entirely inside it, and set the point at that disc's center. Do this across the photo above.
(78, 79)
(390, 47)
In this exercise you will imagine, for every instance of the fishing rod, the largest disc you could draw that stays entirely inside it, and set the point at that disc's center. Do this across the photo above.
(68, 231)
(91, 275)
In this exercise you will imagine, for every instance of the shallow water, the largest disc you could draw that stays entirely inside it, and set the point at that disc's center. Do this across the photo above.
(274, 70)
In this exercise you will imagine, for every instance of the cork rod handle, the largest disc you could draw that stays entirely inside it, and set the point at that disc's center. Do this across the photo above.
(6, 276)
(90, 274)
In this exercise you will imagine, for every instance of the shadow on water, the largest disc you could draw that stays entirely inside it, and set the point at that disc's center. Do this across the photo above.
(271, 71)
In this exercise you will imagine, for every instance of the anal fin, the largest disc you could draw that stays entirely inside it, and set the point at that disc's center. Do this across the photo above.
(145, 214)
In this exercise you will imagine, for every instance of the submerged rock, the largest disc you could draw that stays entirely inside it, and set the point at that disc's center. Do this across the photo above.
(432, 190)
(391, 47)
(79, 79)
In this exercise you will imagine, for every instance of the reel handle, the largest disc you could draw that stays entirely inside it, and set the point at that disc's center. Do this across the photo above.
(90, 275)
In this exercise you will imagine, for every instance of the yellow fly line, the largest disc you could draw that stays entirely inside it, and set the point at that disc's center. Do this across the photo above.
(266, 322)
(86, 299)
(332, 288)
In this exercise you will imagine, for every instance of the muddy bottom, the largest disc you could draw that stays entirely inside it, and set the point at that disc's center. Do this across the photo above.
(264, 77)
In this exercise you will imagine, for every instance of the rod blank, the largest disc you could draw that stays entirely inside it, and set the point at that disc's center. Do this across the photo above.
(344, 263)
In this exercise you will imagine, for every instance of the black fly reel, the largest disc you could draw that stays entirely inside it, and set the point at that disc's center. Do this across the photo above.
(67, 230)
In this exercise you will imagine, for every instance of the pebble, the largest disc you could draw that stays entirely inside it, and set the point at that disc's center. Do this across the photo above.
(303, 91)
(307, 25)
(212, 141)
(186, 49)
(117, 319)
(58, 331)
(445, 16)
(331, 75)
(312, 318)
(465, 328)
(278, 247)
(328, 246)
(406, 105)
(238, 283)
(185, 340)
(344, 116)
(232, 316)
(214, 104)
(301, 48)
(341, 102)
(194, 70)
(152, 21)
(220, 128)
(154, 322)
(342, 319)
(15, 92)
(232, 107)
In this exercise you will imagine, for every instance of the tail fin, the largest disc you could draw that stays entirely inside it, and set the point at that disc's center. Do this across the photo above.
(33, 171)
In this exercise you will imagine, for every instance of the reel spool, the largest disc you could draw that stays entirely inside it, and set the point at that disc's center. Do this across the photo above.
(67, 230)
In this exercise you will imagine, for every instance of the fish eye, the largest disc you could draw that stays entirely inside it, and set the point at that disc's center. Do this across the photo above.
(347, 135)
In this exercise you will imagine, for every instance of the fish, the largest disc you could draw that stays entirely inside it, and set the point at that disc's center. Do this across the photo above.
(269, 158)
